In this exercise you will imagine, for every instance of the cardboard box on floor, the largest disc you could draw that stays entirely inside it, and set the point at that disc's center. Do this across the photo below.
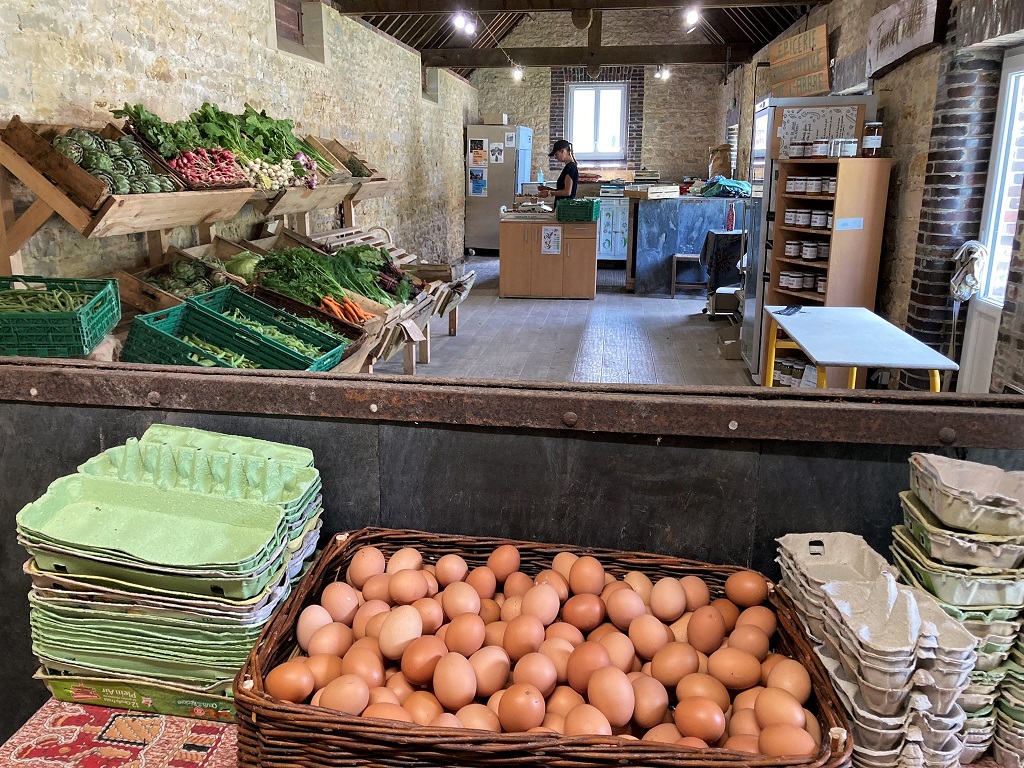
(724, 301)
(494, 118)
(729, 342)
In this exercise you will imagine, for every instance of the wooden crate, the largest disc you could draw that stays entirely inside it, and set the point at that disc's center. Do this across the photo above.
(373, 185)
(341, 173)
(303, 199)
(654, 192)
(137, 293)
(159, 161)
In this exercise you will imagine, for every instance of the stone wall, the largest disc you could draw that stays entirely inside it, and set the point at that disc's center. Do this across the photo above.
(70, 61)
(680, 121)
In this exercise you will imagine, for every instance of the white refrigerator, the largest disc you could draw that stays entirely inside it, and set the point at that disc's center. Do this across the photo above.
(498, 162)
(777, 122)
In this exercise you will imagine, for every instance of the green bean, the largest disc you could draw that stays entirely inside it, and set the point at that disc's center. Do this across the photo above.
(287, 339)
(14, 301)
(234, 359)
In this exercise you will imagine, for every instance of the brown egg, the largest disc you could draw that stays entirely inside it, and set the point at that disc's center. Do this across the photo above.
(666, 733)
(334, 639)
(624, 606)
(406, 587)
(399, 686)
(382, 695)
(620, 649)
(449, 569)
(347, 693)
(743, 743)
(517, 584)
(700, 717)
(454, 681)
(542, 601)
(601, 630)
(431, 583)
(465, 634)
(431, 614)
(291, 681)
(648, 635)
(479, 718)
(368, 644)
(785, 741)
(583, 661)
(562, 564)
(523, 635)
(586, 720)
(565, 631)
(692, 742)
(746, 588)
(458, 598)
(490, 611)
(746, 699)
(537, 670)
(668, 600)
(310, 620)
(556, 581)
(558, 650)
(736, 670)
(512, 608)
(744, 723)
(401, 627)
(482, 580)
(775, 706)
(421, 657)
(554, 722)
(442, 633)
(405, 558)
(611, 587)
(729, 612)
(760, 616)
(491, 667)
(378, 588)
(422, 706)
(364, 664)
(640, 584)
(790, 675)
(388, 712)
(366, 611)
(499, 599)
(376, 623)
(563, 699)
(494, 633)
(446, 720)
(521, 708)
(367, 562)
(812, 726)
(341, 601)
(586, 577)
(679, 627)
(704, 686)
(672, 663)
(697, 593)
(325, 667)
(702, 662)
(584, 611)
(610, 691)
(706, 630)
(750, 639)
(768, 664)
(503, 562)
(651, 701)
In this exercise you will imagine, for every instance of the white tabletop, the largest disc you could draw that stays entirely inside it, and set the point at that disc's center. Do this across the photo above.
(856, 337)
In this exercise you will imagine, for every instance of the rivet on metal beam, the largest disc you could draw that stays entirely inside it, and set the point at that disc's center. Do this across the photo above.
(583, 18)
(570, 419)
(734, 425)
(153, 398)
(34, 392)
(373, 407)
(947, 435)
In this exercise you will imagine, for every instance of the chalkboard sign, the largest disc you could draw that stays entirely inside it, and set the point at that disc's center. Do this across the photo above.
(799, 64)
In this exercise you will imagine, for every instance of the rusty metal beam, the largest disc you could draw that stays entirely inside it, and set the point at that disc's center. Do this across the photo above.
(375, 7)
(882, 418)
(608, 56)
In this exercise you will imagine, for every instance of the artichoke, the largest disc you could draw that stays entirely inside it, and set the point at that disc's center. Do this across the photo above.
(201, 286)
(106, 177)
(136, 186)
(184, 269)
(121, 185)
(93, 160)
(70, 148)
(123, 166)
(112, 148)
(166, 184)
(218, 279)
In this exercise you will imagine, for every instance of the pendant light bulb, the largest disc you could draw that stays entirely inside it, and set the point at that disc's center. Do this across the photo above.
(517, 73)
(470, 28)
(692, 17)
(665, 74)
(459, 21)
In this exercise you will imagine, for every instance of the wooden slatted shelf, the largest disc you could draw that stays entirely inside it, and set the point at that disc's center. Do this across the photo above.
(812, 198)
(817, 298)
(823, 264)
(805, 230)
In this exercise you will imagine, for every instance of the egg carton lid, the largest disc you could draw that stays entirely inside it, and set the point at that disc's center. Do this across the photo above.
(993, 631)
(1007, 756)
(957, 586)
(969, 496)
(244, 446)
(974, 750)
(824, 557)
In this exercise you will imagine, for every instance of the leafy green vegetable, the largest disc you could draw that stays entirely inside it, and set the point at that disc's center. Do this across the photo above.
(167, 139)
(299, 273)
(244, 266)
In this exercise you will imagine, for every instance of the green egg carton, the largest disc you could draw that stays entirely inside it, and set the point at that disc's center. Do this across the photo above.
(141, 648)
(215, 441)
(156, 526)
(214, 473)
(155, 668)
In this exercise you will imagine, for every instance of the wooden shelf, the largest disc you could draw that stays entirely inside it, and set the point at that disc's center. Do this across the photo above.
(821, 198)
(803, 263)
(818, 298)
(816, 160)
(128, 214)
(303, 199)
(806, 230)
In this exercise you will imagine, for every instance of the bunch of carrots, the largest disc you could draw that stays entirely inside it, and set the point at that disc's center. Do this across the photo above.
(345, 309)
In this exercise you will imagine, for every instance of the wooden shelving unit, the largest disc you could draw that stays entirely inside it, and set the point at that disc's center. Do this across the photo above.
(855, 240)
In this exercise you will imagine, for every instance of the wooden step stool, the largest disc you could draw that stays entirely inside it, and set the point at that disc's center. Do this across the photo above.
(684, 258)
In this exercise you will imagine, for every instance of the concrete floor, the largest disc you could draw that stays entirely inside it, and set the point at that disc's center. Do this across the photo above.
(618, 338)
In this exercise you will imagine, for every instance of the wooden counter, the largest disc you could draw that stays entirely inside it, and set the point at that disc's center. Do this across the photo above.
(545, 258)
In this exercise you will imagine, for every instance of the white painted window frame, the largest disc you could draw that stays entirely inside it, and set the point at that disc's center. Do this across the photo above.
(571, 90)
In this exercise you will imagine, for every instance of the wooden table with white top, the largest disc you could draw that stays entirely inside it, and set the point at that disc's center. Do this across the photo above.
(853, 338)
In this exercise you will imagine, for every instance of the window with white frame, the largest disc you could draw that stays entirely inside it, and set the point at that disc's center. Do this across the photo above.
(596, 121)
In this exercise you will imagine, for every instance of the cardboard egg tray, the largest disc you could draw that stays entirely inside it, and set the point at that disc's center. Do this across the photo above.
(959, 547)
(968, 496)
(215, 441)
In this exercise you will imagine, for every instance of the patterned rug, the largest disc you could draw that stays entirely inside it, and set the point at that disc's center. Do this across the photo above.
(62, 735)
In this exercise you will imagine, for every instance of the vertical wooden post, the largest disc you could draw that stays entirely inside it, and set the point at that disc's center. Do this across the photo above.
(156, 245)
(10, 262)
(348, 208)
(424, 351)
(206, 233)
(453, 321)
(303, 224)
(410, 358)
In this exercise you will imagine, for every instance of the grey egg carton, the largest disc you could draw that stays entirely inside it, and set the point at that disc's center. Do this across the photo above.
(969, 496)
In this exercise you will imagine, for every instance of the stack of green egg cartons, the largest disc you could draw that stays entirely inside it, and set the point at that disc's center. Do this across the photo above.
(155, 568)
(963, 541)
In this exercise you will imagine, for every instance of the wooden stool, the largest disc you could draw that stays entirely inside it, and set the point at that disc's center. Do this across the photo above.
(685, 258)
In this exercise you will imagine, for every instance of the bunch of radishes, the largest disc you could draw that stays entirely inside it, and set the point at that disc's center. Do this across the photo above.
(208, 168)
(308, 166)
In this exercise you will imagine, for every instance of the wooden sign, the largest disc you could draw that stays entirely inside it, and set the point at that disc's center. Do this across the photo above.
(799, 64)
(899, 31)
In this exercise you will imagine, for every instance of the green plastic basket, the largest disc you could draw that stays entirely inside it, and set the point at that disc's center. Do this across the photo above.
(229, 298)
(59, 334)
(157, 338)
(583, 209)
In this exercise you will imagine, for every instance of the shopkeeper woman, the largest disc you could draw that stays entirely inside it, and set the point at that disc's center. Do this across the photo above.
(570, 177)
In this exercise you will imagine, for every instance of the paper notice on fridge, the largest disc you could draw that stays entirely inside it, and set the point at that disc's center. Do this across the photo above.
(510, 139)
(497, 154)
(478, 182)
(478, 153)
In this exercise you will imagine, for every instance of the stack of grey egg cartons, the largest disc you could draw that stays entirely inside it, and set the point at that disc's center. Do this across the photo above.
(963, 542)
(897, 661)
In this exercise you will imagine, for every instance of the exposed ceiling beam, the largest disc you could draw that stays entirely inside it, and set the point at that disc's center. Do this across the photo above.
(371, 7)
(609, 56)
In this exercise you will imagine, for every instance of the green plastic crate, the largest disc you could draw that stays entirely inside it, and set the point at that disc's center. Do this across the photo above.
(157, 338)
(59, 334)
(583, 209)
(229, 298)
